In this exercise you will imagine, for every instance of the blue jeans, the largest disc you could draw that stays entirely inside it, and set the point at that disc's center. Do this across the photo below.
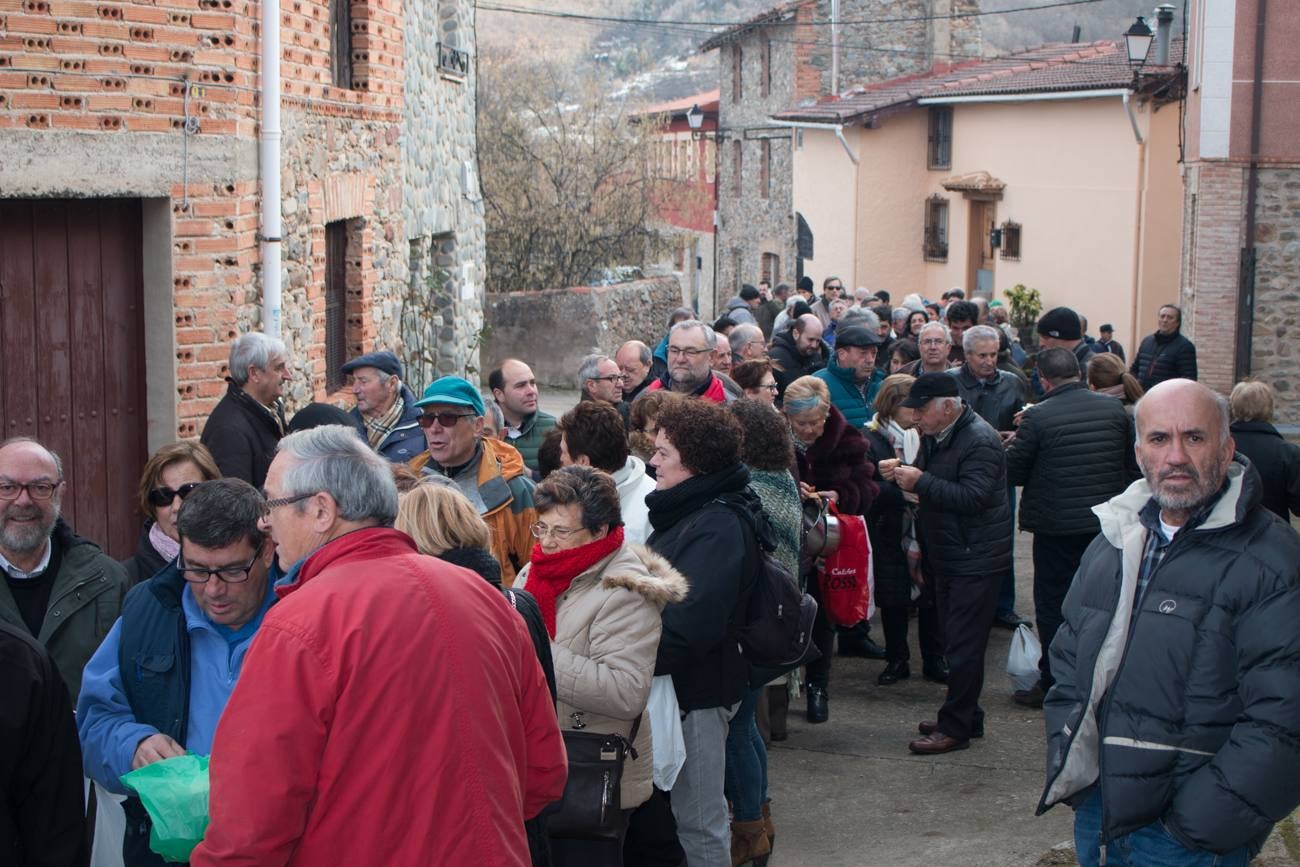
(746, 763)
(1149, 846)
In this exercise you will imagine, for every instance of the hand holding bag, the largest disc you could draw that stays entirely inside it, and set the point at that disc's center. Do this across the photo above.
(1022, 658)
(590, 808)
(844, 581)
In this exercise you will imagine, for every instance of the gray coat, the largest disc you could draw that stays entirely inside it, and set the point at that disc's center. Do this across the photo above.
(1183, 711)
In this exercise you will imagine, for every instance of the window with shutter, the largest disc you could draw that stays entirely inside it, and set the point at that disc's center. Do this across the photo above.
(940, 141)
(935, 245)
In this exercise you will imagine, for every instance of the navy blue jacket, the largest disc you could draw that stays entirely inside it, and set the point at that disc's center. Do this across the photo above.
(404, 441)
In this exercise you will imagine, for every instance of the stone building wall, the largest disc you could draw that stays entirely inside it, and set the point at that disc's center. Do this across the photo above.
(442, 314)
(1275, 348)
(554, 329)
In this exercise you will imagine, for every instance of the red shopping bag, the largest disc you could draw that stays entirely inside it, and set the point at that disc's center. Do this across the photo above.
(845, 580)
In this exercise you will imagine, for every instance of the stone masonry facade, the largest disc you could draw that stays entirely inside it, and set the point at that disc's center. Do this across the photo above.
(782, 64)
(159, 101)
(1215, 203)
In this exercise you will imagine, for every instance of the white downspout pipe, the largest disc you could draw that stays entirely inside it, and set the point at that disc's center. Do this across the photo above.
(837, 128)
(835, 46)
(268, 156)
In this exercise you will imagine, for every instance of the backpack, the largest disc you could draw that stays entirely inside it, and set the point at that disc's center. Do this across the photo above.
(776, 635)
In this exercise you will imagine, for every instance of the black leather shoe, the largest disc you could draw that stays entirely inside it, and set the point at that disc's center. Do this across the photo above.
(860, 646)
(1032, 697)
(894, 672)
(930, 727)
(1010, 620)
(935, 670)
(819, 710)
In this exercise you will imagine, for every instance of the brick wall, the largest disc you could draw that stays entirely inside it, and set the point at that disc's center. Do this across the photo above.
(122, 78)
(1213, 209)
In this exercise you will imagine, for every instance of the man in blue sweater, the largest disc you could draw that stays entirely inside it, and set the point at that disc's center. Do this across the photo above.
(158, 684)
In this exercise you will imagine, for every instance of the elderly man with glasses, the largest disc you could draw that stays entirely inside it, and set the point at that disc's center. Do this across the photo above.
(691, 348)
(160, 681)
(490, 472)
(393, 711)
(58, 587)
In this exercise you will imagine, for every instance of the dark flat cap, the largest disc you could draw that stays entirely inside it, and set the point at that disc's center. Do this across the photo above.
(856, 335)
(383, 360)
(1107, 327)
(1061, 323)
(928, 386)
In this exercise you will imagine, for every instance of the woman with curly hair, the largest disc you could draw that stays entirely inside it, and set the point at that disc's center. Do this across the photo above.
(833, 463)
(642, 427)
(756, 379)
(705, 522)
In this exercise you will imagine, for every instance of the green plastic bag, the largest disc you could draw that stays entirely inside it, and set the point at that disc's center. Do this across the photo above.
(175, 794)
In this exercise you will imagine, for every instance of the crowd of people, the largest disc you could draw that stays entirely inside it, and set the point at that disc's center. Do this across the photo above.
(395, 628)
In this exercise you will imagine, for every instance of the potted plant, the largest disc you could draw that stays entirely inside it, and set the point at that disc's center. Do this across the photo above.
(1026, 304)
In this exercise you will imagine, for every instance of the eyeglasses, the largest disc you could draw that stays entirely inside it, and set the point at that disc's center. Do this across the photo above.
(770, 386)
(693, 353)
(615, 377)
(445, 419)
(284, 501)
(934, 341)
(229, 574)
(35, 490)
(541, 531)
(165, 496)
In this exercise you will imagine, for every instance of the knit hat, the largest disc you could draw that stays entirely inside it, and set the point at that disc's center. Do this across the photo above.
(1061, 323)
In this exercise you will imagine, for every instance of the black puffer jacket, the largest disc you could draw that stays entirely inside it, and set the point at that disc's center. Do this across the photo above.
(1162, 357)
(1277, 461)
(965, 517)
(1073, 451)
(885, 528)
(705, 541)
(997, 401)
(788, 364)
(1185, 709)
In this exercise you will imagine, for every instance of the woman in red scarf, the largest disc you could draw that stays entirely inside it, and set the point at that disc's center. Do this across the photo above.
(601, 602)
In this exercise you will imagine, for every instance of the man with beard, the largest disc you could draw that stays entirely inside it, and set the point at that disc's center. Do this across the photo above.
(1169, 728)
(62, 589)
(691, 348)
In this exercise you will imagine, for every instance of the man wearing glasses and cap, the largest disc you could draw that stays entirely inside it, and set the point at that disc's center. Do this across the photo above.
(158, 684)
(489, 472)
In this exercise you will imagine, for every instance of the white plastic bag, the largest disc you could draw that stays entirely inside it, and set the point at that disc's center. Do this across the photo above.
(666, 732)
(1022, 659)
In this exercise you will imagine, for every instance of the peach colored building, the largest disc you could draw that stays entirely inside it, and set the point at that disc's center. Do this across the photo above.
(1047, 168)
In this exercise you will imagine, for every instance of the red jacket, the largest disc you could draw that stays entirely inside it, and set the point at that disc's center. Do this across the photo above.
(391, 710)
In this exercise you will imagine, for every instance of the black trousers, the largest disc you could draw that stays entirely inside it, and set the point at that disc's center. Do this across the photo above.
(1056, 559)
(823, 635)
(966, 607)
(929, 633)
(651, 839)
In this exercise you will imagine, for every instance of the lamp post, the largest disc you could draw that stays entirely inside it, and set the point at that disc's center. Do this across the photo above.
(1138, 42)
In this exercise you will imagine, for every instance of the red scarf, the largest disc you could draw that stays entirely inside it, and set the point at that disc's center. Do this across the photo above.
(549, 575)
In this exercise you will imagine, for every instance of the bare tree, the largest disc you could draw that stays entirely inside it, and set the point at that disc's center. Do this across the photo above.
(568, 178)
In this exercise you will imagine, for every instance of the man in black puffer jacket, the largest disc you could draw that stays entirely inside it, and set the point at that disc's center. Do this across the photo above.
(1073, 451)
(965, 536)
(1171, 727)
(1167, 354)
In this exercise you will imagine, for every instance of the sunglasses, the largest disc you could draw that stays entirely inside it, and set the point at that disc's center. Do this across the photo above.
(162, 497)
(445, 419)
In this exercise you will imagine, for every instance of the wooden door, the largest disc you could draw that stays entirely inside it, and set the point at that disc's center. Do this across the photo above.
(979, 249)
(71, 312)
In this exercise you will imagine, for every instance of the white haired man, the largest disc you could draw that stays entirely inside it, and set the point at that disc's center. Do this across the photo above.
(246, 425)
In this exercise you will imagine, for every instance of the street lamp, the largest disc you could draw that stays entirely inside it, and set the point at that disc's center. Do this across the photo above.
(695, 117)
(1138, 42)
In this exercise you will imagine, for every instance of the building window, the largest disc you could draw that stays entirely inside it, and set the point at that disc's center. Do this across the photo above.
(341, 42)
(936, 229)
(765, 81)
(737, 168)
(737, 68)
(940, 151)
(771, 269)
(1011, 241)
(336, 302)
(765, 170)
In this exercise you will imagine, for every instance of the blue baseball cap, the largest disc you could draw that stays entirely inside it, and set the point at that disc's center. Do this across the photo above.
(453, 390)
(383, 361)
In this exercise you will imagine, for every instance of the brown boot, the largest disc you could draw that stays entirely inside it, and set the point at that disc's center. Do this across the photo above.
(778, 705)
(767, 824)
(749, 844)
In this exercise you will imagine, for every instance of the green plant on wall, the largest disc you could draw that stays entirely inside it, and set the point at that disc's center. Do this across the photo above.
(1026, 304)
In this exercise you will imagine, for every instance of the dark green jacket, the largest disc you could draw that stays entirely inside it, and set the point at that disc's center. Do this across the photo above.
(84, 603)
(532, 431)
(845, 394)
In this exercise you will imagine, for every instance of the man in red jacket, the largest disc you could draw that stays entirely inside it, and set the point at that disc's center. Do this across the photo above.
(391, 709)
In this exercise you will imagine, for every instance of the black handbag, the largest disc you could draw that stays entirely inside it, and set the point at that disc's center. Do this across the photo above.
(590, 807)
